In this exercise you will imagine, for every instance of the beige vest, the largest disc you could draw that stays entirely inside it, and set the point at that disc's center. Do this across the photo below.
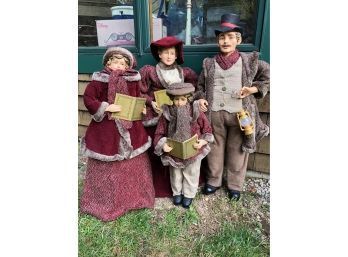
(227, 86)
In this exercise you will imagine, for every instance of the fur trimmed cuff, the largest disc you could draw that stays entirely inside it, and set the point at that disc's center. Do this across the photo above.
(248, 150)
(262, 90)
(152, 122)
(100, 114)
(168, 160)
(208, 137)
(159, 147)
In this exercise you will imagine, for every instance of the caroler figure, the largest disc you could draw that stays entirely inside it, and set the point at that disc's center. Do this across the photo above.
(231, 81)
(168, 52)
(118, 176)
(181, 122)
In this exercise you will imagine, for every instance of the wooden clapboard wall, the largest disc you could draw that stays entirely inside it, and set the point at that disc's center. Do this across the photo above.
(258, 161)
(84, 116)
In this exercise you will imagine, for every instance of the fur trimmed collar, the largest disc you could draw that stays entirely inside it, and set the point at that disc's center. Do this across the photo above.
(104, 77)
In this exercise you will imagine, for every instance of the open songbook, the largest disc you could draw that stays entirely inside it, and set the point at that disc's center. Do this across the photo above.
(183, 150)
(132, 107)
(162, 98)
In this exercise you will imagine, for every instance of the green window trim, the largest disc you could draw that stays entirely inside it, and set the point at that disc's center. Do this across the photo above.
(90, 58)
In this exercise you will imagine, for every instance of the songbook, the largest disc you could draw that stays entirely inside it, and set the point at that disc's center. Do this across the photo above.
(132, 107)
(183, 150)
(162, 98)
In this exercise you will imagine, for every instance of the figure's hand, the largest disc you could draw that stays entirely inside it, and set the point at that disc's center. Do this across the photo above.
(167, 148)
(144, 110)
(203, 105)
(155, 107)
(114, 108)
(246, 91)
(200, 143)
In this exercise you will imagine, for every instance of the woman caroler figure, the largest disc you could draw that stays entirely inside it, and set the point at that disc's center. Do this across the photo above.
(168, 52)
(118, 176)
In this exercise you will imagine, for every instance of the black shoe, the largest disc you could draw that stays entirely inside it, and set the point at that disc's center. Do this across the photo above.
(186, 202)
(177, 199)
(208, 189)
(233, 195)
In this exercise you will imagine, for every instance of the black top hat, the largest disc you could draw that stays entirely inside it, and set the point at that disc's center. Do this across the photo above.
(229, 23)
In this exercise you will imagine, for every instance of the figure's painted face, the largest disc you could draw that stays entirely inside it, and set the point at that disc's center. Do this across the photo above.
(117, 62)
(167, 55)
(228, 42)
(180, 100)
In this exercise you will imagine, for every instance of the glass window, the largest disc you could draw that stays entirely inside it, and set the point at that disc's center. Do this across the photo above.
(105, 22)
(171, 19)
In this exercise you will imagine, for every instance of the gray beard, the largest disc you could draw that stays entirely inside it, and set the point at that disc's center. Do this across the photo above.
(180, 124)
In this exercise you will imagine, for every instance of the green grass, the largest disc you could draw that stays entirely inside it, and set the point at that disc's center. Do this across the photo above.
(232, 241)
(169, 233)
(125, 237)
(223, 229)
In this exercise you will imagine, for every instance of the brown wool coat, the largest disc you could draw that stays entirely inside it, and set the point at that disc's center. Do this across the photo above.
(256, 73)
(153, 81)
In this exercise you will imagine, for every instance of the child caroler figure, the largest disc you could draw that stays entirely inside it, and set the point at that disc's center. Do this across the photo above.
(118, 176)
(231, 81)
(168, 51)
(180, 122)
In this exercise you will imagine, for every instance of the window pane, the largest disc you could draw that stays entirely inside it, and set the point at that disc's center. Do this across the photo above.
(205, 17)
(105, 22)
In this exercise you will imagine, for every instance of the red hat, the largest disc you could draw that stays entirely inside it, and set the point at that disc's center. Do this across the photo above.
(180, 88)
(167, 42)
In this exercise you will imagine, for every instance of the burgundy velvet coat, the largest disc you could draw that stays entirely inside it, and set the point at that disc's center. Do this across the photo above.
(105, 139)
(199, 125)
(153, 82)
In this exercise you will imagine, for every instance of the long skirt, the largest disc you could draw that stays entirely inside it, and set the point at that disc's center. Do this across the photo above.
(113, 188)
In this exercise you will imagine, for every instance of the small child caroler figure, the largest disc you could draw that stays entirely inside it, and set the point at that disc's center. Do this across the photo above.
(180, 122)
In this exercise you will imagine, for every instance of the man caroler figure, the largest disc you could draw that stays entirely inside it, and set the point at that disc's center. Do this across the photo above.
(231, 82)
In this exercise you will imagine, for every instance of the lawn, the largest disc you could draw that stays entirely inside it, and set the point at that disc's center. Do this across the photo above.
(213, 226)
